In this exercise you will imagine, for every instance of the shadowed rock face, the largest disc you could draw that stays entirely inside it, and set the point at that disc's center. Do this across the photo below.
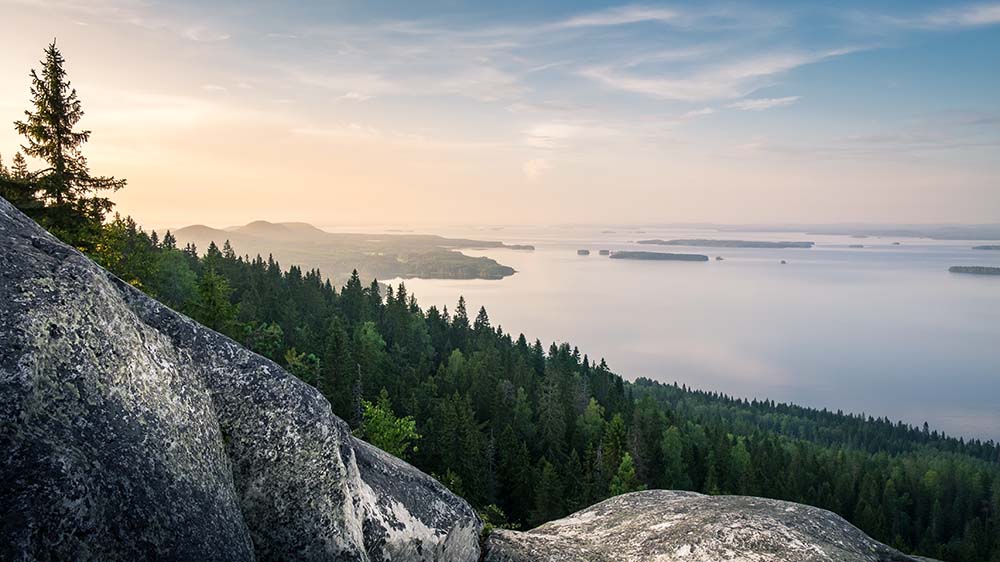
(665, 526)
(130, 432)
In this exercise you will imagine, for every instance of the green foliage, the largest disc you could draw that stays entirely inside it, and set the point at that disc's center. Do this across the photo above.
(624, 480)
(211, 305)
(304, 366)
(63, 195)
(383, 429)
(494, 518)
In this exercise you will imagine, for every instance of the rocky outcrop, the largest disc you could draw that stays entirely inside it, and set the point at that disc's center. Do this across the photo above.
(130, 432)
(665, 526)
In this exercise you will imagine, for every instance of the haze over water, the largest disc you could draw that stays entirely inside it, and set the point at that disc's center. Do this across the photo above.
(885, 330)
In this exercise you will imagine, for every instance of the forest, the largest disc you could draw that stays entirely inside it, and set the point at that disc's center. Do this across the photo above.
(525, 432)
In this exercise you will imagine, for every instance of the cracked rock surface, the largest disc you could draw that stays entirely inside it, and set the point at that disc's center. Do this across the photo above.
(131, 432)
(667, 526)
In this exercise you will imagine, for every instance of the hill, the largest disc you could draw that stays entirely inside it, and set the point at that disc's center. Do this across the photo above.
(381, 256)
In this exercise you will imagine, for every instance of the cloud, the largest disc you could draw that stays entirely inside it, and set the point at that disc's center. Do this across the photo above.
(697, 113)
(203, 34)
(534, 168)
(550, 135)
(730, 79)
(563, 135)
(933, 133)
(760, 104)
(965, 16)
(483, 83)
(355, 96)
(621, 16)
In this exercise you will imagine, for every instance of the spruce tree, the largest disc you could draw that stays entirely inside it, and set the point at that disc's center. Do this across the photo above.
(71, 207)
(19, 168)
(15, 187)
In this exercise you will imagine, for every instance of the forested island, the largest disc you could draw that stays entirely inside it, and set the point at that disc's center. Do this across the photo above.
(975, 269)
(527, 433)
(708, 243)
(987, 247)
(385, 256)
(656, 256)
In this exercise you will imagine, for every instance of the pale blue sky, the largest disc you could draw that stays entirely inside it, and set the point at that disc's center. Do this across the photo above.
(531, 111)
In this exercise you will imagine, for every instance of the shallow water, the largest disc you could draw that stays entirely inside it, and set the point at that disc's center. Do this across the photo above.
(884, 330)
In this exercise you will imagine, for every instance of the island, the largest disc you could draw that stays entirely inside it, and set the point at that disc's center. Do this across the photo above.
(707, 243)
(975, 269)
(856, 246)
(583, 252)
(656, 256)
(528, 247)
(604, 252)
(987, 247)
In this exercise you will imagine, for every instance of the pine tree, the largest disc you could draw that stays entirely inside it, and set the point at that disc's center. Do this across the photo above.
(72, 210)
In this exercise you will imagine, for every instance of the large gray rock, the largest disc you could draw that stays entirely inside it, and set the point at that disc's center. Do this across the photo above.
(666, 526)
(130, 432)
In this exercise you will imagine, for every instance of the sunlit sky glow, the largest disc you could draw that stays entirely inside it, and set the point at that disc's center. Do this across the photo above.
(528, 112)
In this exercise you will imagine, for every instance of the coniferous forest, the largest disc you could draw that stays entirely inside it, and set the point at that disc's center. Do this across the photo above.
(526, 432)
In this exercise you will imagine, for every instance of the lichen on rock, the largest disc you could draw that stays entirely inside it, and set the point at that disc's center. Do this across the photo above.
(130, 432)
(668, 526)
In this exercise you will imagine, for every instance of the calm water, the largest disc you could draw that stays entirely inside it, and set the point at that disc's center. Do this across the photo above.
(883, 330)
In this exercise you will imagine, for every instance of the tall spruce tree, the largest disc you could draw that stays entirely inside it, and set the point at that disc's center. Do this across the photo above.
(70, 206)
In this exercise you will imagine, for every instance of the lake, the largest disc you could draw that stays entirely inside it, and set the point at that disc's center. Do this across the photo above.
(883, 330)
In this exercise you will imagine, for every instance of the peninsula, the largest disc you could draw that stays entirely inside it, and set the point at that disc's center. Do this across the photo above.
(381, 256)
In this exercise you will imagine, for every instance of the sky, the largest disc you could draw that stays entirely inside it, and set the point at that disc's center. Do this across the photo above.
(527, 112)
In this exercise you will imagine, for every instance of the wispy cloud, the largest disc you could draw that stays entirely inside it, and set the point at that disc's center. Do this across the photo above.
(760, 104)
(204, 34)
(697, 113)
(973, 15)
(621, 16)
(930, 134)
(730, 79)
